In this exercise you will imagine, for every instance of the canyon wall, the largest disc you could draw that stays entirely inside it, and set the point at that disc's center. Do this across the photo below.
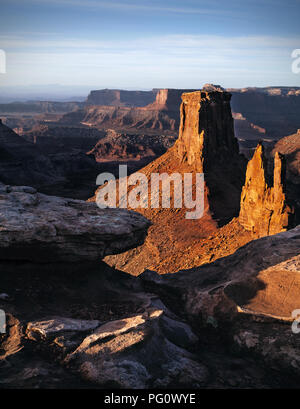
(40, 107)
(274, 109)
(120, 97)
(162, 115)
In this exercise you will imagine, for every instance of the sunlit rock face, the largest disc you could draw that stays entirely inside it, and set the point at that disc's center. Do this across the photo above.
(206, 133)
(264, 209)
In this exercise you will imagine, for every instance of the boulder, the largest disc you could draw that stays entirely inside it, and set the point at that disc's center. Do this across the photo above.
(138, 352)
(57, 325)
(40, 228)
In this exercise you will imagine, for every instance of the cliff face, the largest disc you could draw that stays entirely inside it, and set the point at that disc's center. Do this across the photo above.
(40, 107)
(264, 210)
(168, 99)
(120, 97)
(124, 119)
(274, 109)
(289, 146)
(157, 116)
(206, 129)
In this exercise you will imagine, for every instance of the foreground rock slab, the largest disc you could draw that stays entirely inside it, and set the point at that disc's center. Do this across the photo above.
(56, 325)
(139, 352)
(40, 228)
(248, 299)
(79, 325)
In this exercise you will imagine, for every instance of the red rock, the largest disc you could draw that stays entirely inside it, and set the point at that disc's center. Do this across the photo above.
(264, 210)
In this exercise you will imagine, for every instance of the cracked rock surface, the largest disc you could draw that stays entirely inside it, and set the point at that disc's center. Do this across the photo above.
(40, 228)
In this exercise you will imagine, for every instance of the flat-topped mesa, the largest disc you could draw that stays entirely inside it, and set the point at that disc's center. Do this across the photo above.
(168, 99)
(264, 210)
(206, 133)
(115, 97)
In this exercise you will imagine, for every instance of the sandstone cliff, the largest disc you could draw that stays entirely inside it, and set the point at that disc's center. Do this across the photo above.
(40, 107)
(168, 99)
(264, 210)
(275, 109)
(118, 97)
(123, 119)
(289, 146)
(206, 135)
(160, 116)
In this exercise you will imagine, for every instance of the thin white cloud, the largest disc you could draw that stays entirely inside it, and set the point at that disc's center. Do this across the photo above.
(141, 5)
(164, 61)
(168, 42)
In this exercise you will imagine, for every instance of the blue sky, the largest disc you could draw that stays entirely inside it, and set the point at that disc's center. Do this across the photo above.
(141, 44)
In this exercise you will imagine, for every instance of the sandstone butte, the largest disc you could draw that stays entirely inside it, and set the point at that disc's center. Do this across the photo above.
(206, 143)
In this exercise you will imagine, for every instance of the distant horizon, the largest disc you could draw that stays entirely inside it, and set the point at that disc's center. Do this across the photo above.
(144, 44)
(36, 92)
